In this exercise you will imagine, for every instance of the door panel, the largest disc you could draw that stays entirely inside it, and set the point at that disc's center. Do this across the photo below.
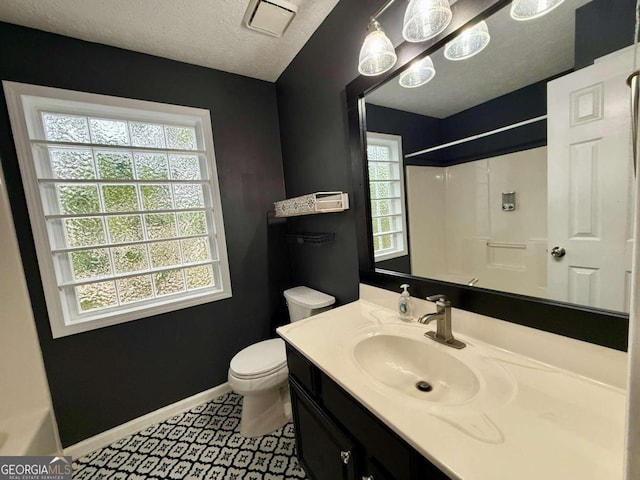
(588, 176)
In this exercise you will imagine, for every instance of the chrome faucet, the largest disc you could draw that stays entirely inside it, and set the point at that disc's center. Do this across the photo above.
(443, 332)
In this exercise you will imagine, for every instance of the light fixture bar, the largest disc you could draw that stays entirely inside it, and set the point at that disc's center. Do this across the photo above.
(380, 11)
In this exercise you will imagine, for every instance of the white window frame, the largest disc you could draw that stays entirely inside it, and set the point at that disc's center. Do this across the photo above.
(394, 142)
(25, 102)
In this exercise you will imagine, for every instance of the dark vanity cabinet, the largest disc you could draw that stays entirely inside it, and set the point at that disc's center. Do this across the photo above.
(337, 438)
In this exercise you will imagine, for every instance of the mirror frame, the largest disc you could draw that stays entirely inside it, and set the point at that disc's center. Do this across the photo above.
(601, 327)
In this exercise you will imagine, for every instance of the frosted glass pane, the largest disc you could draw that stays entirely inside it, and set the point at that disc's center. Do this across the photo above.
(378, 153)
(199, 277)
(171, 281)
(375, 224)
(151, 166)
(135, 289)
(78, 199)
(185, 167)
(90, 263)
(115, 165)
(109, 132)
(164, 254)
(156, 197)
(130, 258)
(181, 138)
(188, 196)
(96, 295)
(120, 198)
(386, 241)
(65, 128)
(147, 135)
(125, 228)
(376, 244)
(195, 250)
(161, 225)
(84, 231)
(72, 164)
(192, 223)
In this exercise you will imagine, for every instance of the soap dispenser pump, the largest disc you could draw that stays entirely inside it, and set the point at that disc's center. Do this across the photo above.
(405, 305)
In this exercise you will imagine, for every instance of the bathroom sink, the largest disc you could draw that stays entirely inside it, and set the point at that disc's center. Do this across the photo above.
(416, 367)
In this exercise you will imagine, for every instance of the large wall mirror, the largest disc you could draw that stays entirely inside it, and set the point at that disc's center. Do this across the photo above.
(506, 178)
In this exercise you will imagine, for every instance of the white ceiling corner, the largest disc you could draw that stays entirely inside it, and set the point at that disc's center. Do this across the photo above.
(210, 33)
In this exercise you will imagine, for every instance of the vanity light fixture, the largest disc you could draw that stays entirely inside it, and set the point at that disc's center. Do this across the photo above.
(418, 73)
(424, 19)
(469, 43)
(377, 54)
(523, 10)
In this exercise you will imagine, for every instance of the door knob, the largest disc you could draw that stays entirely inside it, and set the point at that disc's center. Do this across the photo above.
(558, 252)
(345, 456)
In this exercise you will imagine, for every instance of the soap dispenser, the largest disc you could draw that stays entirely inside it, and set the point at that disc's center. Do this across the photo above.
(405, 304)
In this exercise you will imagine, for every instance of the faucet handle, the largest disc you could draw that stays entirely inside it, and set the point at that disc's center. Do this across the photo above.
(439, 298)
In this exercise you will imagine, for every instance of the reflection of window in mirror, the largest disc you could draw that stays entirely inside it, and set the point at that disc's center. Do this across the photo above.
(386, 187)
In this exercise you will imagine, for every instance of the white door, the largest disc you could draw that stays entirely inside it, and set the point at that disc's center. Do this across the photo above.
(589, 174)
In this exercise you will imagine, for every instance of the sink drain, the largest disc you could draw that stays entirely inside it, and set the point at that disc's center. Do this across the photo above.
(424, 386)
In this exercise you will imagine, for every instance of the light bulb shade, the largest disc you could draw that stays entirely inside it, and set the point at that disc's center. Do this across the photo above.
(523, 10)
(418, 74)
(424, 19)
(469, 43)
(377, 54)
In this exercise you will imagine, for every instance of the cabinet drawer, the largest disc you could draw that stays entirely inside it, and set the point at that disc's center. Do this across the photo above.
(380, 443)
(302, 370)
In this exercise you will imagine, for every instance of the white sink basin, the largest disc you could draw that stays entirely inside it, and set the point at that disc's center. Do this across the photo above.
(395, 359)
(401, 363)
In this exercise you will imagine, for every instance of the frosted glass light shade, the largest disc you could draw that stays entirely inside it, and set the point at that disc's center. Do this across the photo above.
(377, 54)
(418, 74)
(469, 43)
(523, 10)
(424, 19)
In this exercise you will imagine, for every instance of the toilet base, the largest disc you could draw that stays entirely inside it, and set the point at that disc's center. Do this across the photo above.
(265, 411)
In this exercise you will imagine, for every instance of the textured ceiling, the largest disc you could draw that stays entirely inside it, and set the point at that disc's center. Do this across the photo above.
(203, 32)
(519, 54)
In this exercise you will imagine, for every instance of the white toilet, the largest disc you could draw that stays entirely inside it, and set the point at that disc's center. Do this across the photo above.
(259, 372)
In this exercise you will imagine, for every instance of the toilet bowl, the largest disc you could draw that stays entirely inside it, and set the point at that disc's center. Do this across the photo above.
(259, 372)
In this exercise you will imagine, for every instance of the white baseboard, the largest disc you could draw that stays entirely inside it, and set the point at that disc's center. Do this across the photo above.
(107, 438)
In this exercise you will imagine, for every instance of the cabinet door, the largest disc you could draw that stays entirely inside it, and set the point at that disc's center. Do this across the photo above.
(324, 450)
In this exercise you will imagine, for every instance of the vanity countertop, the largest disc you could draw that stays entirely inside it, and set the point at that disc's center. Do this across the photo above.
(551, 424)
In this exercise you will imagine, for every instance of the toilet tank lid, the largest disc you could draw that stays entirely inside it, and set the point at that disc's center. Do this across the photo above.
(308, 297)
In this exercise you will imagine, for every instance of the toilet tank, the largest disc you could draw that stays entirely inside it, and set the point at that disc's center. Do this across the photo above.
(304, 302)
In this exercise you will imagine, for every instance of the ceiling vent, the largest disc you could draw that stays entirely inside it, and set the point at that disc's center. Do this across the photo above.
(270, 16)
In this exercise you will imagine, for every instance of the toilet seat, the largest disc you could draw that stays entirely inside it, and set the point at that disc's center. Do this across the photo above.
(259, 360)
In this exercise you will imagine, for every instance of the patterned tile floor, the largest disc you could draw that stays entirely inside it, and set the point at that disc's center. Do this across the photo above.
(201, 444)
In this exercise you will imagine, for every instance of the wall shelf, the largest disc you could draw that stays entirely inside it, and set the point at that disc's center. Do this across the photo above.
(311, 238)
(318, 202)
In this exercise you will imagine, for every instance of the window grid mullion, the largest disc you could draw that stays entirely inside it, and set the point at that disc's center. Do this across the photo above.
(95, 181)
(138, 273)
(130, 148)
(385, 198)
(59, 251)
(128, 212)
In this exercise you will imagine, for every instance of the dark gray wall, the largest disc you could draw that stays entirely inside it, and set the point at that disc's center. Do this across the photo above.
(603, 26)
(312, 109)
(106, 377)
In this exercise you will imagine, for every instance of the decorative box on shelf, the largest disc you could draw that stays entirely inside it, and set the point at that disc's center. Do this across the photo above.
(319, 202)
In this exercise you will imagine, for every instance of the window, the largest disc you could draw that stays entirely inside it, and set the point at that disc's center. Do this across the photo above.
(386, 187)
(124, 205)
